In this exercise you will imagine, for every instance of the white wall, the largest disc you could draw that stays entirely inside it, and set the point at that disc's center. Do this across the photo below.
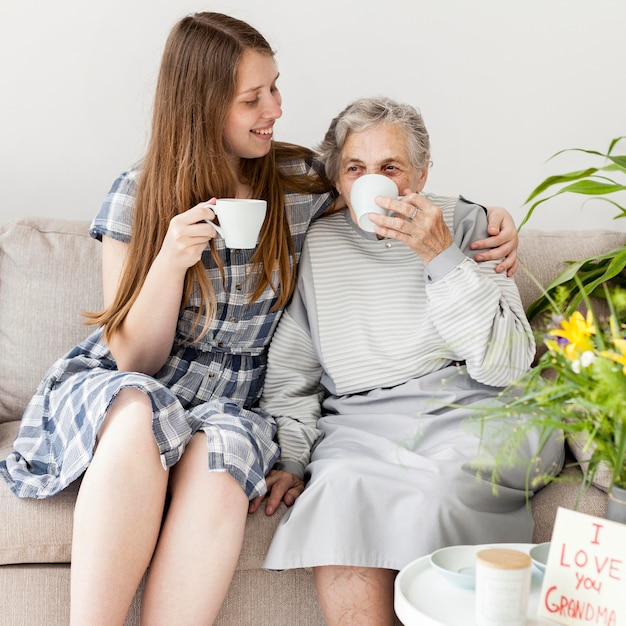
(502, 84)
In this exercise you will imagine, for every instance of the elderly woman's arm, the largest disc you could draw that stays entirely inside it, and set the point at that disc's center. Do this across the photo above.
(292, 391)
(478, 312)
(292, 394)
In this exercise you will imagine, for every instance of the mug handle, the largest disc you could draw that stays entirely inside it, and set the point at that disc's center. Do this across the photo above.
(218, 228)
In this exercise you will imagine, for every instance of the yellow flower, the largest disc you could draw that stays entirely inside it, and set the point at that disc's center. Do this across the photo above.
(574, 336)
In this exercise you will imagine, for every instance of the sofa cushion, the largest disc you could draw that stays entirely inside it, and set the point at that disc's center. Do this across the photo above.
(50, 272)
(578, 444)
(36, 531)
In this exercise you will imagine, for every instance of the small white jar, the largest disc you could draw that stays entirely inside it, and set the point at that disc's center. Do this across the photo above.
(502, 587)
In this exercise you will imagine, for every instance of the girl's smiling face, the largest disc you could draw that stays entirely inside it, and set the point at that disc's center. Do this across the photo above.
(249, 124)
(379, 150)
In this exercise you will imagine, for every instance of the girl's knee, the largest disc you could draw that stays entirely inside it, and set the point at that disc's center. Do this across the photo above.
(129, 419)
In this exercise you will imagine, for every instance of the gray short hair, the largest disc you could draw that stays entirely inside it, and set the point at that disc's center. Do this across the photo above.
(367, 113)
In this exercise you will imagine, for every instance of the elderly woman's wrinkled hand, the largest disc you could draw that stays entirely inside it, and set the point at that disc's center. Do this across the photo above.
(417, 222)
(281, 487)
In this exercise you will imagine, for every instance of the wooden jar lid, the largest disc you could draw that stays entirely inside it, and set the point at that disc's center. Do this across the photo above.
(504, 558)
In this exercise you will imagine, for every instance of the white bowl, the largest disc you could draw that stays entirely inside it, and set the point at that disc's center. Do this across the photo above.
(457, 564)
(539, 555)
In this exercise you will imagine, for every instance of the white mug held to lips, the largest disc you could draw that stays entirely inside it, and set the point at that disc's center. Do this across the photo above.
(362, 197)
(240, 221)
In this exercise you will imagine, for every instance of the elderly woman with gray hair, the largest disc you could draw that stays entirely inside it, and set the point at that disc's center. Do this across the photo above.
(389, 340)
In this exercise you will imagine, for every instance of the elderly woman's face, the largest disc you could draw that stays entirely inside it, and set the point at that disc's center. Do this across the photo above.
(379, 150)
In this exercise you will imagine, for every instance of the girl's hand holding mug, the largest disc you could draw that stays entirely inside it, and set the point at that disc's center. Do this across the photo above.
(188, 235)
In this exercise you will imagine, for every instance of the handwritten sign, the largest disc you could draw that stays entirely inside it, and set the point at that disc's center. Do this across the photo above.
(585, 577)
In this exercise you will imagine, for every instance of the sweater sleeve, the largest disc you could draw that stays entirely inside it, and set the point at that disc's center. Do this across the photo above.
(478, 312)
(292, 392)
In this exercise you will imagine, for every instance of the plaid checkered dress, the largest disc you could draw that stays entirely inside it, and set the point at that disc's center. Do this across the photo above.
(209, 385)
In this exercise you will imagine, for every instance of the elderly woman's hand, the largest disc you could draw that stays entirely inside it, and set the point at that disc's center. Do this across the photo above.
(281, 486)
(418, 223)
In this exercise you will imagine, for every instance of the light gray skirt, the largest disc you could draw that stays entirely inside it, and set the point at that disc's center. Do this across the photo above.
(391, 479)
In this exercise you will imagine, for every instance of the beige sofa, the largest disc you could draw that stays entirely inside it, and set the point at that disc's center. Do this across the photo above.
(49, 273)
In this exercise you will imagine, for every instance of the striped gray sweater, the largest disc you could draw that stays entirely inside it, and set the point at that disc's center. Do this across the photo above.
(367, 314)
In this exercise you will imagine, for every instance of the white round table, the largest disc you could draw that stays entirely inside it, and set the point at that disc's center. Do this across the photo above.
(423, 597)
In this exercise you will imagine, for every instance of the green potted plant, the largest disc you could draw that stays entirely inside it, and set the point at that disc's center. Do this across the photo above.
(578, 385)
(604, 179)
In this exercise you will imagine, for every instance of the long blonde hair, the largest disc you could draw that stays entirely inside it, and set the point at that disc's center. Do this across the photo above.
(186, 163)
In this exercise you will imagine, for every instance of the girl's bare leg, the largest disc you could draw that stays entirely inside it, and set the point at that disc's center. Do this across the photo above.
(199, 544)
(118, 514)
(356, 596)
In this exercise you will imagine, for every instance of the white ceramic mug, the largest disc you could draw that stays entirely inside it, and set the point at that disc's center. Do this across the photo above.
(240, 221)
(362, 194)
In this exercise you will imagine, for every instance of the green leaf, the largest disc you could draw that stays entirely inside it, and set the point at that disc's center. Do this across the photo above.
(614, 143)
(584, 187)
(592, 188)
(559, 179)
(619, 161)
(594, 152)
(620, 213)
(584, 182)
(594, 271)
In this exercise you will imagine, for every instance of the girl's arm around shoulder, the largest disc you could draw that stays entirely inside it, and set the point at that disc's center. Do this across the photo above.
(502, 242)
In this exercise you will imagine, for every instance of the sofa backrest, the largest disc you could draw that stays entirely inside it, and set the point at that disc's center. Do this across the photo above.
(544, 254)
(50, 272)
